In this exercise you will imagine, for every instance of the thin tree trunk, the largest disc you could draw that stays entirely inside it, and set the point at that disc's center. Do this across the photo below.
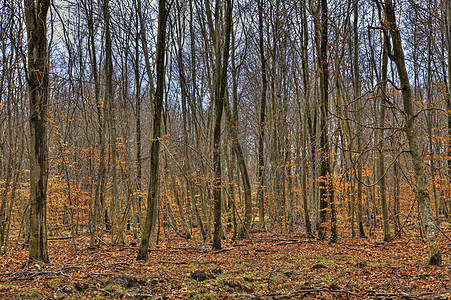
(236, 146)
(325, 176)
(261, 136)
(306, 125)
(152, 197)
(381, 160)
(358, 122)
(448, 98)
(220, 92)
(111, 111)
(95, 218)
(429, 116)
(138, 141)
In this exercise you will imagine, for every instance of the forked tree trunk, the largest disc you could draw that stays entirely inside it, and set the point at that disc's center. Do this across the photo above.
(38, 95)
(412, 133)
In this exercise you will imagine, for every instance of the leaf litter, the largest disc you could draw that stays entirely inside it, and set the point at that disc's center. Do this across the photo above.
(268, 266)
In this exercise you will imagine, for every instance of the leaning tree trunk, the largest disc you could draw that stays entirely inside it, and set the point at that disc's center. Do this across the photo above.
(412, 133)
(152, 197)
(38, 95)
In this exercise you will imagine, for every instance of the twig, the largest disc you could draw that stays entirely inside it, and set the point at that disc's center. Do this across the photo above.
(59, 238)
(144, 296)
(221, 250)
(399, 295)
(55, 295)
(294, 293)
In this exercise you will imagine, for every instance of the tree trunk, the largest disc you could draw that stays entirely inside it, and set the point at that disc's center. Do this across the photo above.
(261, 135)
(152, 197)
(448, 99)
(305, 125)
(358, 123)
(111, 112)
(325, 176)
(220, 92)
(381, 160)
(98, 194)
(415, 147)
(236, 146)
(38, 95)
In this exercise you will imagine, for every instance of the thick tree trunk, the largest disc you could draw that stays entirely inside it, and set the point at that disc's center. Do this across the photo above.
(412, 133)
(38, 95)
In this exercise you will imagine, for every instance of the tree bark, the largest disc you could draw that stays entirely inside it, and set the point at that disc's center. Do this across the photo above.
(325, 176)
(38, 95)
(220, 91)
(381, 160)
(152, 198)
(448, 99)
(412, 133)
(358, 123)
(236, 147)
(261, 136)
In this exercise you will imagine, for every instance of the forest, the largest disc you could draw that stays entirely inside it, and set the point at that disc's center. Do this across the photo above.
(225, 149)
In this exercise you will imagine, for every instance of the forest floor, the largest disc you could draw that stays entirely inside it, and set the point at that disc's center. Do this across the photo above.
(268, 266)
